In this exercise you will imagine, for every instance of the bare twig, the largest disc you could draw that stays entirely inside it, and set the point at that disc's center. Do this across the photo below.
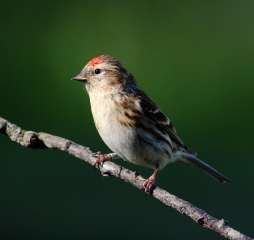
(40, 140)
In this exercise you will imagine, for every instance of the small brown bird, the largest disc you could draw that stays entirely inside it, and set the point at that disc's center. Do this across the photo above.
(130, 123)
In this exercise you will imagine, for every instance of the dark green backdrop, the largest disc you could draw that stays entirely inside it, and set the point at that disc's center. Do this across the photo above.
(195, 58)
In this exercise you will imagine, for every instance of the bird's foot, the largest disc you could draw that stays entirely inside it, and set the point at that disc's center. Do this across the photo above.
(149, 184)
(101, 158)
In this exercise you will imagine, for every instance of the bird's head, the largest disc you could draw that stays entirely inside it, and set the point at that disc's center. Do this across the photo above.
(104, 73)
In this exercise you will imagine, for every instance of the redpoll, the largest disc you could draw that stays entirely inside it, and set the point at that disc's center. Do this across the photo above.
(130, 123)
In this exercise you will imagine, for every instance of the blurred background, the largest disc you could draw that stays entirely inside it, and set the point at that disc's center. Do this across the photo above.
(194, 58)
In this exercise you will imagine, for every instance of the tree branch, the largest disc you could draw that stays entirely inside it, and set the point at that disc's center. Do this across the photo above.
(40, 140)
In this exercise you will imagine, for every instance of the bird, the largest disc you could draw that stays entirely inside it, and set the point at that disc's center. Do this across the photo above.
(131, 124)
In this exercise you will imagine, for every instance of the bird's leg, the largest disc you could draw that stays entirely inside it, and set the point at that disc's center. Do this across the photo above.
(101, 158)
(149, 183)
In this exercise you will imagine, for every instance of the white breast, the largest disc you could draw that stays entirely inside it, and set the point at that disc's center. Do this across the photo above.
(118, 138)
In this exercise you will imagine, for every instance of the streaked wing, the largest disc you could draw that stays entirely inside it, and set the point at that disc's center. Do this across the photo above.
(159, 120)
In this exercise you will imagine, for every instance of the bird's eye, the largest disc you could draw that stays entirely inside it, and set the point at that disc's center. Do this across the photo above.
(97, 71)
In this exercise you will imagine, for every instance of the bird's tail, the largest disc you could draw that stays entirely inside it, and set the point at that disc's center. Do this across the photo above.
(191, 158)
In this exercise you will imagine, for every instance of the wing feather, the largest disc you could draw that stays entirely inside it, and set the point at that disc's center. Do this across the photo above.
(159, 120)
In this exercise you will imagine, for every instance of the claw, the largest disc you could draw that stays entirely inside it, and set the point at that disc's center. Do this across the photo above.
(101, 158)
(149, 184)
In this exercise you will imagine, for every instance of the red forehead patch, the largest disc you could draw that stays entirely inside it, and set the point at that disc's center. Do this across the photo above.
(96, 60)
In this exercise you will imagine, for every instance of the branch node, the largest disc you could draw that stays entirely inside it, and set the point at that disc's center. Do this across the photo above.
(36, 143)
(67, 145)
(201, 221)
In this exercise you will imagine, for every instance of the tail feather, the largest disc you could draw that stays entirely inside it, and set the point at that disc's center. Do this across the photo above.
(190, 158)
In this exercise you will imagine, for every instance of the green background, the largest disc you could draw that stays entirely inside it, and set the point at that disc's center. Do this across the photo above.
(194, 58)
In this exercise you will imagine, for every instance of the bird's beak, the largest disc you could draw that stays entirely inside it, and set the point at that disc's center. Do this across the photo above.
(80, 78)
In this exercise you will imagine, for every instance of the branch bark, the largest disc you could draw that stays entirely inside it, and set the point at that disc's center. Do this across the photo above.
(40, 140)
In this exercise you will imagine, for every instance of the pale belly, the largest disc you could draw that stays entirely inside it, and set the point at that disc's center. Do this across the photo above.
(118, 138)
(124, 140)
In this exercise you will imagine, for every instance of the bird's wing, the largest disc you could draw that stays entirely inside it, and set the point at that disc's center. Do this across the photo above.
(160, 120)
